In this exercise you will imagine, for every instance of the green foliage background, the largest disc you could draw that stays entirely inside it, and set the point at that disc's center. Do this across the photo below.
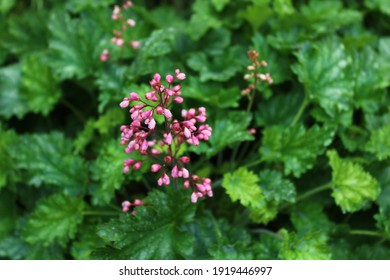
(312, 183)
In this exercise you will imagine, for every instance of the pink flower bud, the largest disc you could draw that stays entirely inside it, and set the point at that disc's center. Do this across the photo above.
(185, 159)
(169, 79)
(186, 174)
(180, 76)
(194, 197)
(131, 22)
(167, 113)
(166, 180)
(135, 44)
(137, 165)
(175, 172)
(167, 159)
(157, 77)
(168, 138)
(186, 184)
(176, 88)
(159, 110)
(160, 181)
(134, 96)
(137, 202)
(155, 168)
(126, 169)
(152, 124)
(124, 103)
(187, 133)
(178, 99)
(119, 42)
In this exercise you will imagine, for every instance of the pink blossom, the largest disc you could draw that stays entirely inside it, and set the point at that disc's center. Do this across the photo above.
(134, 96)
(167, 113)
(105, 55)
(135, 44)
(179, 75)
(131, 22)
(155, 168)
(124, 103)
(169, 79)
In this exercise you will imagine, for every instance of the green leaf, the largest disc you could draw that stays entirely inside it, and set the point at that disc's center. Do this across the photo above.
(74, 45)
(275, 188)
(353, 188)
(215, 41)
(370, 78)
(108, 170)
(48, 159)
(311, 246)
(381, 5)
(155, 232)
(39, 91)
(242, 185)
(78, 6)
(309, 217)
(219, 4)
(233, 124)
(6, 5)
(295, 147)
(86, 242)
(379, 143)
(283, 7)
(218, 68)
(257, 14)
(211, 93)
(8, 213)
(54, 219)
(321, 68)
(28, 33)
(217, 239)
(7, 164)
(279, 110)
(202, 19)
(10, 101)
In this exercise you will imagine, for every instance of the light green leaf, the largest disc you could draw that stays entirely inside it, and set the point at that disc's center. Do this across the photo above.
(75, 45)
(379, 143)
(7, 164)
(311, 246)
(54, 219)
(353, 188)
(39, 91)
(220, 4)
(295, 147)
(6, 5)
(322, 70)
(48, 159)
(283, 7)
(381, 5)
(155, 232)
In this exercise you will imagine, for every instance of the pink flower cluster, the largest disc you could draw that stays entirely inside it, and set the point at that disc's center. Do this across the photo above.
(144, 136)
(118, 39)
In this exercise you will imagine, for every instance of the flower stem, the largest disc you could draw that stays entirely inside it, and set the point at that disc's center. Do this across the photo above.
(253, 163)
(100, 213)
(300, 112)
(75, 111)
(314, 191)
(365, 232)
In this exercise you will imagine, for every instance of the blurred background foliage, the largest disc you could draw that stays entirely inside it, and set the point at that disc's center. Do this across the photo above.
(312, 183)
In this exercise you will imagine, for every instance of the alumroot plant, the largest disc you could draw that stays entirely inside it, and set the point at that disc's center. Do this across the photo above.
(162, 144)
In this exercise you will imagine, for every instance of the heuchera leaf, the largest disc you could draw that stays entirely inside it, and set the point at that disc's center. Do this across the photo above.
(48, 159)
(381, 5)
(7, 164)
(217, 239)
(7, 213)
(202, 19)
(10, 101)
(55, 219)
(75, 45)
(353, 188)
(155, 232)
(321, 68)
(108, 170)
(295, 147)
(218, 68)
(234, 124)
(220, 4)
(39, 91)
(262, 200)
(311, 246)
(379, 143)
